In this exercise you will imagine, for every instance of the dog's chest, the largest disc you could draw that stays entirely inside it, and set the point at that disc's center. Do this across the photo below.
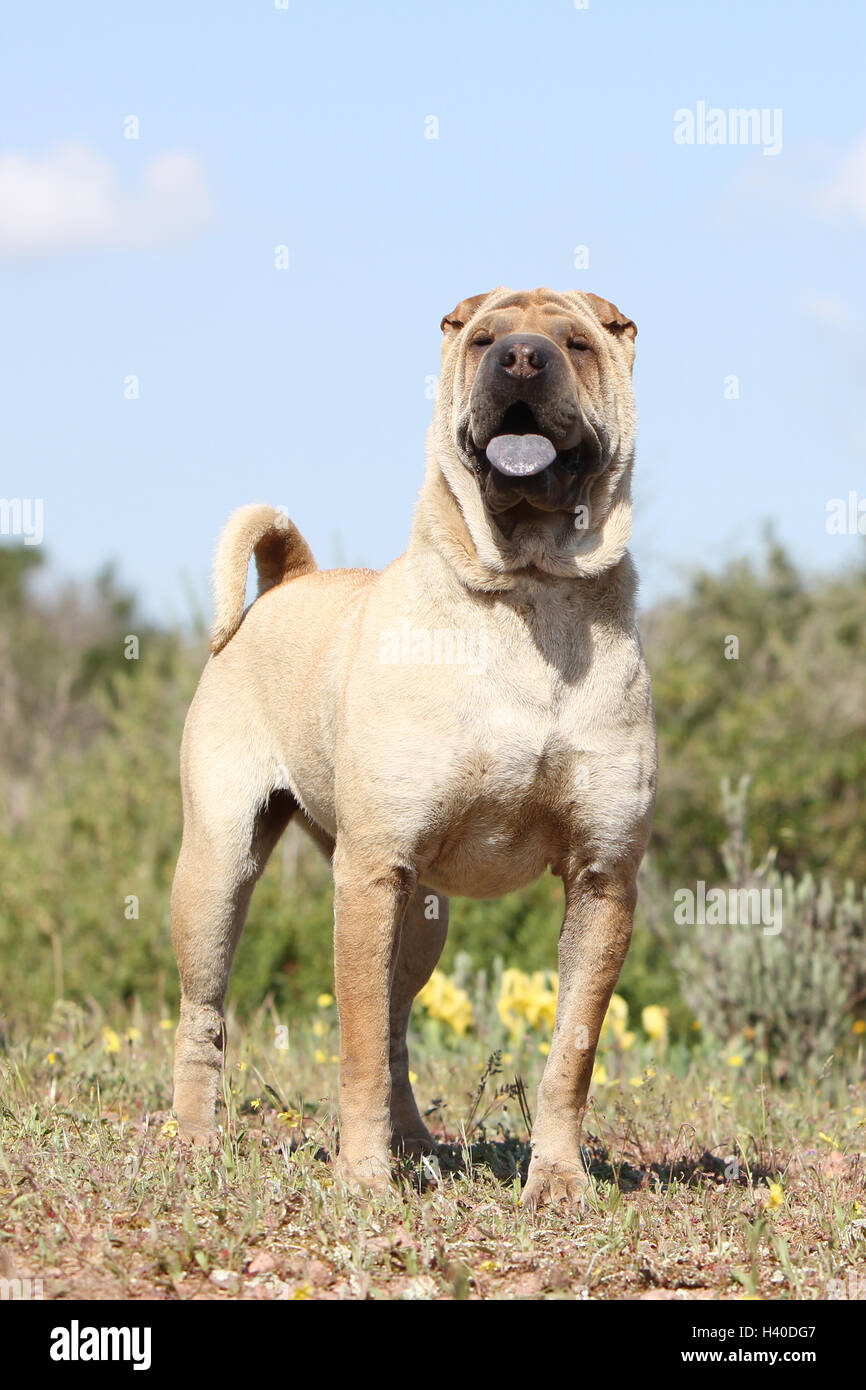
(516, 796)
(520, 758)
(536, 751)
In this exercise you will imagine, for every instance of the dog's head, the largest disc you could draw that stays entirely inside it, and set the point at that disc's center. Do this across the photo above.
(534, 429)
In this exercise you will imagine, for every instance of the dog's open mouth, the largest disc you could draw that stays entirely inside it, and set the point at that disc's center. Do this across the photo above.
(520, 463)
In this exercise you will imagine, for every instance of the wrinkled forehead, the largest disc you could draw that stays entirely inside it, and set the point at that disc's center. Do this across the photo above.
(535, 311)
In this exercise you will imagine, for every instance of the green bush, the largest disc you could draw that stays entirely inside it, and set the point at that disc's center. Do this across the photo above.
(788, 990)
(788, 711)
(90, 807)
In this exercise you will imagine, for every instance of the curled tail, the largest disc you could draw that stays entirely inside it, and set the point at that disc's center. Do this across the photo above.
(281, 553)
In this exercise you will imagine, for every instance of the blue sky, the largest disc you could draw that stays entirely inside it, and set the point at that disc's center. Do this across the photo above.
(305, 127)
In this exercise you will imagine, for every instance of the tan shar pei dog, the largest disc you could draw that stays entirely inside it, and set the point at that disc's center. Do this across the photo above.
(475, 714)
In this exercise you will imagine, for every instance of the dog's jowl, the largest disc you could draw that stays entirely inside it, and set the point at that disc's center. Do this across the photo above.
(429, 772)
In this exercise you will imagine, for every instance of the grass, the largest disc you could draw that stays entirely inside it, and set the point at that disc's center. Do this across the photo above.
(706, 1184)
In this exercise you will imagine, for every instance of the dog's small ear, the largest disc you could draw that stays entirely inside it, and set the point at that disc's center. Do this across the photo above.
(459, 317)
(611, 318)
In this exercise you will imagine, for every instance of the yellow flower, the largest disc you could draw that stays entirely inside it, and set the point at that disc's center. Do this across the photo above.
(617, 1011)
(110, 1040)
(655, 1022)
(616, 1018)
(826, 1138)
(446, 1001)
(320, 1055)
(325, 1001)
(319, 1028)
(613, 1028)
(169, 1129)
(334, 1057)
(255, 1104)
(777, 1194)
(650, 1071)
(735, 1060)
(696, 1025)
(635, 1080)
(599, 1074)
(289, 1117)
(544, 1048)
(243, 1066)
(507, 1058)
(132, 1035)
(302, 1291)
(527, 999)
(165, 1024)
(413, 1077)
(859, 1026)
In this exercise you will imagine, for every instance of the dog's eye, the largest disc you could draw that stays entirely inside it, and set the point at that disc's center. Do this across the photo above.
(578, 345)
(481, 340)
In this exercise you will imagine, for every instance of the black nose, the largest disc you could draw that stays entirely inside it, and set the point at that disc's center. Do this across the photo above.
(521, 359)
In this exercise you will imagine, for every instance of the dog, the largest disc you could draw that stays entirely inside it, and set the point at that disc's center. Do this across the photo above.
(344, 698)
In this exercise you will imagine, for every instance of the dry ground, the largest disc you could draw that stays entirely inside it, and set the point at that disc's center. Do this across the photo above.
(707, 1185)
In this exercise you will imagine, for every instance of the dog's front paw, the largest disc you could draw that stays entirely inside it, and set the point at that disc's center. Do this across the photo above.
(199, 1136)
(367, 1174)
(554, 1183)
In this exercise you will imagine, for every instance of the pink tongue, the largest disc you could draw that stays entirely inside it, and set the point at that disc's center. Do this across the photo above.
(520, 455)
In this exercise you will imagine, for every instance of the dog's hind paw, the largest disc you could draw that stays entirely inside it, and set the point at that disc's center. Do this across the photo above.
(413, 1143)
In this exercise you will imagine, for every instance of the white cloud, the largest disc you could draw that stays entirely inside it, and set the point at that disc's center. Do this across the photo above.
(845, 195)
(71, 200)
(829, 309)
(816, 179)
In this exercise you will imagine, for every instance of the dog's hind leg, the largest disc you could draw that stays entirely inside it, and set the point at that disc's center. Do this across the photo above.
(422, 937)
(216, 872)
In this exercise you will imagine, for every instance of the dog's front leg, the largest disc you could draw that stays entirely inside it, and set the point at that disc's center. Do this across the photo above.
(369, 904)
(592, 947)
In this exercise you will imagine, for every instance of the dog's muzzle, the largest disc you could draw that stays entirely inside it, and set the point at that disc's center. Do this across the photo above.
(526, 436)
